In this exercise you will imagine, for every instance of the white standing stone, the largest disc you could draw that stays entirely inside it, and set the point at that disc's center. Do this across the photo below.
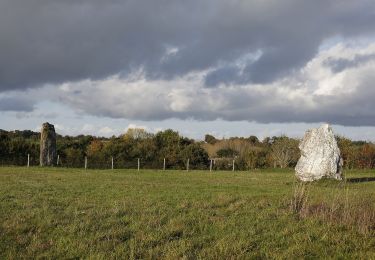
(320, 155)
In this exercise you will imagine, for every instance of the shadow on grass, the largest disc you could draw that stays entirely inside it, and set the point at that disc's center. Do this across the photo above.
(363, 179)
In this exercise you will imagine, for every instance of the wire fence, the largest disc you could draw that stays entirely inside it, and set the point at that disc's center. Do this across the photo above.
(87, 162)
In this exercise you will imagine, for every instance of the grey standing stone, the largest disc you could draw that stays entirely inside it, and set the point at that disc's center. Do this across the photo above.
(320, 155)
(47, 145)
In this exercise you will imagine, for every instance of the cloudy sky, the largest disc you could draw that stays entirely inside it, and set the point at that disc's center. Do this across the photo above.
(225, 67)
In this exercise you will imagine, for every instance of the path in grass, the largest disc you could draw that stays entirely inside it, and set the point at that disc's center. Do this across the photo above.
(68, 213)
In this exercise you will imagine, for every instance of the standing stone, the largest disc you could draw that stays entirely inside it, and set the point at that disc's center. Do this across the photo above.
(320, 155)
(48, 145)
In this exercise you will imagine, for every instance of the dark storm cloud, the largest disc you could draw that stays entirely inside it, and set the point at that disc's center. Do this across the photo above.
(55, 41)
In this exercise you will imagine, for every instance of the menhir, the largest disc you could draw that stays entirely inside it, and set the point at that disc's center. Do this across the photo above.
(320, 155)
(47, 145)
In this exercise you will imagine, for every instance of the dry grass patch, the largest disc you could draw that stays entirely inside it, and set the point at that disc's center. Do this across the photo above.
(343, 208)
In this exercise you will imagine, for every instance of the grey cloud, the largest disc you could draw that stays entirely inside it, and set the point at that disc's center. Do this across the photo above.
(349, 109)
(16, 104)
(224, 75)
(338, 65)
(287, 100)
(54, 41)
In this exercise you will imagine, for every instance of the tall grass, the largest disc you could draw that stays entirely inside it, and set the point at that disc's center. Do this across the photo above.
(342, 208)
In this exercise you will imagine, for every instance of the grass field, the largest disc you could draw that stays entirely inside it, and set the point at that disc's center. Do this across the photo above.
(101, 214)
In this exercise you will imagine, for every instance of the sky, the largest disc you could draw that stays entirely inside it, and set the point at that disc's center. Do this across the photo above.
(223, 67)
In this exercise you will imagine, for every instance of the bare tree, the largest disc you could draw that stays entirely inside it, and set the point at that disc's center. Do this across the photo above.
(284, 151)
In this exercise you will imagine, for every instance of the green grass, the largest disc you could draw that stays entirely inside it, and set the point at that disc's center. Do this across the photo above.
(101, 214)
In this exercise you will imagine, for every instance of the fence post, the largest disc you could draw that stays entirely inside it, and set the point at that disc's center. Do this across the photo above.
(112, 162)
(210, 165)
(58, 160)
(138, 164)
(233, 166)
(187, 165)
(28, 160)
(164, 165)
(85, 162)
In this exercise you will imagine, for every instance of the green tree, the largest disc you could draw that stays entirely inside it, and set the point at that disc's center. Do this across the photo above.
(198, 157)
(73, 158)
(227, 152)
(349, 152)
(210, 139)
(255, 158)
(253, 140)
(168, 145)
(137, 134)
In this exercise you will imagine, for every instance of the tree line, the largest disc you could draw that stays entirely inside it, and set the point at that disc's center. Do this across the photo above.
(246, 153)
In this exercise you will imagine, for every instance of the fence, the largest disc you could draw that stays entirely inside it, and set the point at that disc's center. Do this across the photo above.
(120, 163)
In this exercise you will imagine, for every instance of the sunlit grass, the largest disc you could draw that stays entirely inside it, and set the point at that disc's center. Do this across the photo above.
(71, 213)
